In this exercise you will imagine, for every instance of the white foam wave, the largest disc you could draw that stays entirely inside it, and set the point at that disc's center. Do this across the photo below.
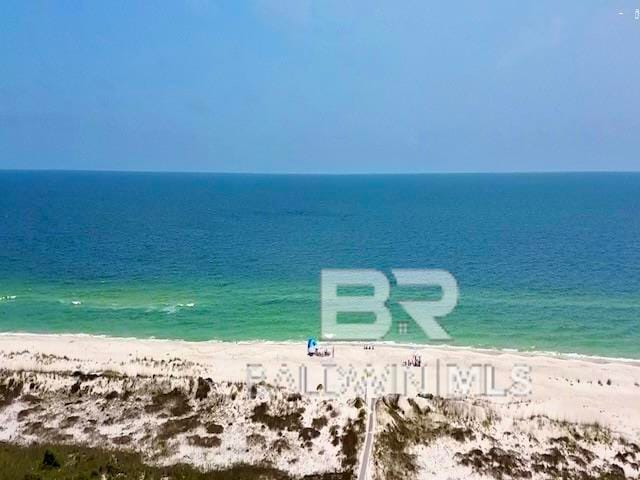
(171, 309)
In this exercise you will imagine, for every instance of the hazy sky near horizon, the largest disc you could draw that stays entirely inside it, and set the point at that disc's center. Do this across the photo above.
(314, 86)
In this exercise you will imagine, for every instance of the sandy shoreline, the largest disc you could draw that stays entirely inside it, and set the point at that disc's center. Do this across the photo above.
(563, 388)
(178, 401)
(390, 344)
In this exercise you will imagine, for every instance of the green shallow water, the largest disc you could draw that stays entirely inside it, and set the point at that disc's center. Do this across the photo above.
(488, 319)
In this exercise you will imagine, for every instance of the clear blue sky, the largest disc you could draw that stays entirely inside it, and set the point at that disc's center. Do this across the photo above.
(320, 86)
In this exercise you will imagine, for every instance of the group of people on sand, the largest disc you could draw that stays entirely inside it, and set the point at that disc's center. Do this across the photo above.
(414, 361)
(313, 350)
(321, 352)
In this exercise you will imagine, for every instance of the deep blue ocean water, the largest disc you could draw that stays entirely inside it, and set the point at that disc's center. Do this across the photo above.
(543, 261)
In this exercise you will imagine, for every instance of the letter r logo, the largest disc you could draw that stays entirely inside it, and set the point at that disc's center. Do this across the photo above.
(425, 313)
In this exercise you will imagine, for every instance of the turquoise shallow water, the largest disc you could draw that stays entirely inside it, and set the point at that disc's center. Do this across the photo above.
(543, 261)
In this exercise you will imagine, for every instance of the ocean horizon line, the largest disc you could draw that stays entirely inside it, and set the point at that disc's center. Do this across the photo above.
(323, 174)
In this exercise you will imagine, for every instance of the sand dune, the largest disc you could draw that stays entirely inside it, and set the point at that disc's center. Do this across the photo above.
(483, 406)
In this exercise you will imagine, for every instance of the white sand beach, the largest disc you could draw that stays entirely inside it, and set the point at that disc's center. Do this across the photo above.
(580, 389)
(549, 399)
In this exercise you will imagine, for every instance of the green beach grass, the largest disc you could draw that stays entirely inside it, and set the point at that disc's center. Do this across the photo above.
(57, 462)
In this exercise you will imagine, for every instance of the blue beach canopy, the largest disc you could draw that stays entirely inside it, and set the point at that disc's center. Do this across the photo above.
(311, 342)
